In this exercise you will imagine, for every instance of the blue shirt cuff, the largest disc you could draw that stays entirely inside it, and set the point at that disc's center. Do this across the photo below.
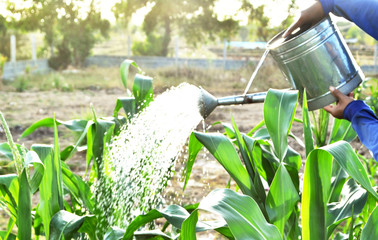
(327, 6)
(353, 107)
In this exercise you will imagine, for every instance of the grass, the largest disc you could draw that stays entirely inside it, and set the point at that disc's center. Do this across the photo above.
(95, 78)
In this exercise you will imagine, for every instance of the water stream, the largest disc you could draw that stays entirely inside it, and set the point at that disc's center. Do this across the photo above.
(141, 159)
(256, 71)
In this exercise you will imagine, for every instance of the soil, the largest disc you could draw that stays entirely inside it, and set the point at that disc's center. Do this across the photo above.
(24, 108)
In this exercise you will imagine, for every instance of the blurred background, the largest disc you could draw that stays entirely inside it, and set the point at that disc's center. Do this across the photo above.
(38, 36)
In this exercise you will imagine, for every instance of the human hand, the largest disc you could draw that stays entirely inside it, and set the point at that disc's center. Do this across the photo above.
(342, 101)
(310, 15)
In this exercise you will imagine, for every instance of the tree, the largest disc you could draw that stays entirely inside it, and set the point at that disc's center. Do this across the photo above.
(193, 19)
(261, 23)
(70, 31)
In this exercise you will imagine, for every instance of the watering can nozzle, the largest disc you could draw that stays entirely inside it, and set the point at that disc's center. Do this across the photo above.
(207, 102)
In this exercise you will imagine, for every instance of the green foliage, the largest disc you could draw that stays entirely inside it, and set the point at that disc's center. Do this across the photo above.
(196, 20)
(73, 34)
(338, 197)
(55, 217)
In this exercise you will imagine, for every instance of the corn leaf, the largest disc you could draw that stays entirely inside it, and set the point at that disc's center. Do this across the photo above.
(152, 234)
(24, 218)
(282, 198)
(65, 225)
(370, 230)
(265, 161)
(5, 235)
(342, 130)
(223, 150)
(309, 141)
(353, 201)
(70, 150)
(128, 105)
(39, 169)
(249, 146)
(242, 214)
(114, 233)
(279, 109)
(51, 198)
(348, 160)
(188, 229)
(194, 147)
(7, 152)
(339, 177)
(9, 192)
(78, 188)
(74, 125)
(317, 183)
(95, 142)
(125, 66)
(140, 221)
(143, 91)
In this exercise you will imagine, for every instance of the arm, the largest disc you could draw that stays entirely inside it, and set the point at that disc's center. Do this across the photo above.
(363, 120)
(365, 123)
(364, 13)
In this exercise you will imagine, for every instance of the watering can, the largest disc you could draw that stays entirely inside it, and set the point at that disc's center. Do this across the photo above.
(312, 59)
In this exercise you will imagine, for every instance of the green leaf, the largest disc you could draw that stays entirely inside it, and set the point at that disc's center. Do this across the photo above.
(96, 145)
(74, 125)
(370, 230)
(242, 214)
(309, 141)
(114, 233)
(39, 169)
(7, 152)
(339, 177)
(317, 182)
(140, 221)
(24, 217)
(143, 91)
(266, 162)
(128, 105)
(282, 198)
(152, 234)
(223, 150)
(78, 188)
(188, 229)
(65, 225)
(9, 192)
(342, 130)
(57, 166)
(67, 154)
(279, 109)
(348, 160)
(194, 147)
(316, 185)
(352, 203)
(5, 235)
(125, 66)
(51, 197)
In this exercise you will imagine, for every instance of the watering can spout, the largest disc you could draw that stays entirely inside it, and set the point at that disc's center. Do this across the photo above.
(207, 102)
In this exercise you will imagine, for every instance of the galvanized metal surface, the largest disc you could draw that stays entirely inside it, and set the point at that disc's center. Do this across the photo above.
(316, 59)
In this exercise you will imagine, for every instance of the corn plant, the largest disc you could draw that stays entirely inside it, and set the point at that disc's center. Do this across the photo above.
(336, 187)
(54, 217)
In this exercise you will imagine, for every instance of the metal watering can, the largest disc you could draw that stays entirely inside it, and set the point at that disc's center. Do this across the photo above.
(314, 58)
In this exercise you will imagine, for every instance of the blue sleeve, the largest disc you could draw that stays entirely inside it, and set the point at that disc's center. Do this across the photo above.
(365, 123)
(364, 13)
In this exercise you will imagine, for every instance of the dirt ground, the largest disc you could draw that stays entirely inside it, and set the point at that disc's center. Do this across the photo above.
(23, 108)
